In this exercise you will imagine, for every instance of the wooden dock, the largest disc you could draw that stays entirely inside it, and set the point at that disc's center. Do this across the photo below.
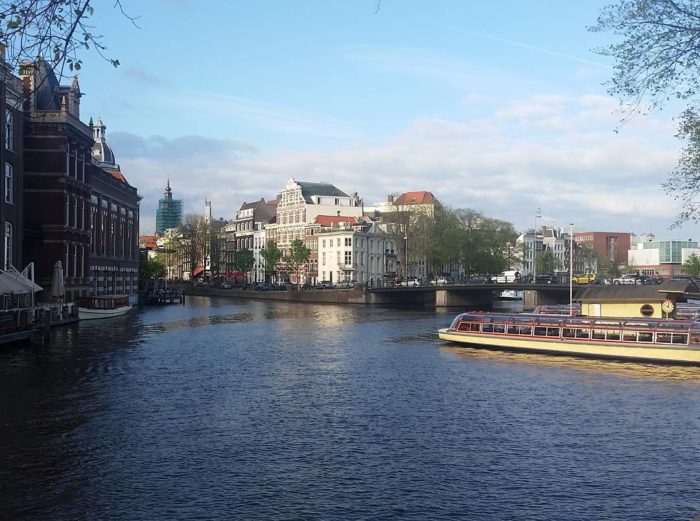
(161, 298)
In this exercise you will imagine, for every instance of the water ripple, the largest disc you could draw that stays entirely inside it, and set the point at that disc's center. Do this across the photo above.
(279, 411)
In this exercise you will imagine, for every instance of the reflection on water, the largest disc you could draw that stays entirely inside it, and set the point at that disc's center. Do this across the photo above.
(225, 409)
(687, 374)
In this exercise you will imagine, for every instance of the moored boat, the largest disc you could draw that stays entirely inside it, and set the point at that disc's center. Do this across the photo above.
(637, 339)
(103, 306)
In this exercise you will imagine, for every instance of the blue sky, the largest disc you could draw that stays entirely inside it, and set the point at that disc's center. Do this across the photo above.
(496, 106)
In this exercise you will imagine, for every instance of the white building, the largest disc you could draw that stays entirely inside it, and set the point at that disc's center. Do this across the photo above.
(259, 243)
(300, 203)
(359, 251)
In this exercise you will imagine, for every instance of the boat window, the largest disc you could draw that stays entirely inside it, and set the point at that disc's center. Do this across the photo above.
(598, 334)
(540, 331)
(582, 333)
(553, 331)
(679, 338)
(526, 330)
(474, 327)
(678, 326)
(499, 328)
(464, 326)
(513, 330)
(629, 336)
(646, 336)
(568, 332)
(487, 328)
(663, 338)
(613, 335)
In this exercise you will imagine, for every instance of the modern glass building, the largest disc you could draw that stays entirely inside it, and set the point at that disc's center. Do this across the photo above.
(670, 252)
(169, 212)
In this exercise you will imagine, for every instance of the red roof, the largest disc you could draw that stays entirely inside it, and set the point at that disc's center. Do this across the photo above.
(330, 220)
(118, 175)
(148, 242)
(416, 198)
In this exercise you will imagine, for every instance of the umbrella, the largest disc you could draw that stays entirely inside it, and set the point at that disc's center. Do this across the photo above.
(58, 289)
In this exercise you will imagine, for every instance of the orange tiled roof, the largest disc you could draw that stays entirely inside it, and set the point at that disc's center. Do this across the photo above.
(416, 198)
(330, 220)
(148, 241)
(119, 176)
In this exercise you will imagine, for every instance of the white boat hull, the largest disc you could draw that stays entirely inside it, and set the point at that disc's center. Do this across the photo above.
(622, 351)
(90, 314)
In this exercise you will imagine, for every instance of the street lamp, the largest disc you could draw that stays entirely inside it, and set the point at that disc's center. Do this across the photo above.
(571, 269)
(538, 215)
(405, 240)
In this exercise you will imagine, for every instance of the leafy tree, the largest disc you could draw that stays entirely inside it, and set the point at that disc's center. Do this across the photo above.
(271, 254)
(658, 59)
(195, 234)
(485, 244)
(57, 30)
(548, 263)
(243, 260)
(692, 265)
(150, 270)
(298, 257)
(409, 229)
(442, 234)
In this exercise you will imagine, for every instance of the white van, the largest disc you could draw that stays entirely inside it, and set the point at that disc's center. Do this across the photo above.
(506, 276)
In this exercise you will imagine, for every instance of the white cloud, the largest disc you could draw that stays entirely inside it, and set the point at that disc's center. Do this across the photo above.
(558, 153)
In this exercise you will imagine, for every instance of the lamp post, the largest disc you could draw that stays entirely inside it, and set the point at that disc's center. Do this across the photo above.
(571, 269)
(405, 270)
(538, 214)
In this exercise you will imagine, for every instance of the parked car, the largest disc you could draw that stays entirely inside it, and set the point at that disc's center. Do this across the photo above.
(226, 285)
(546, 278)
(630, 278)
(585, 278)
(441, 281)
(410, 282)
(478, 279)
(506, 276)
(324, 284)
(649, 280)
(262, 286)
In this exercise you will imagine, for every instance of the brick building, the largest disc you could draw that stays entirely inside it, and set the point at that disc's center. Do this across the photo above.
(57, 168)
(11, 159)
(610, 247)
(114, 223)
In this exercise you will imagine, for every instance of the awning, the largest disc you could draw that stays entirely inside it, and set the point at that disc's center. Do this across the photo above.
(197, 271)
(9, 284)
(235, 275)
(28, 283)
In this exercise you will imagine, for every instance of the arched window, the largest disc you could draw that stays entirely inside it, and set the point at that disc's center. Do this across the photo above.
(9, 130)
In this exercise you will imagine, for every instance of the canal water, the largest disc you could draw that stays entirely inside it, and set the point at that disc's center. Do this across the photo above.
(225, 409)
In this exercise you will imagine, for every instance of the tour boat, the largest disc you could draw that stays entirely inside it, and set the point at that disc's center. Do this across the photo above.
(103, 306)
(637, 339)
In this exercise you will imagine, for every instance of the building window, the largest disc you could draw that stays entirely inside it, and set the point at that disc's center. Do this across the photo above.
(348, 258)
(9, 184)
(9, 130)
(8, 245)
